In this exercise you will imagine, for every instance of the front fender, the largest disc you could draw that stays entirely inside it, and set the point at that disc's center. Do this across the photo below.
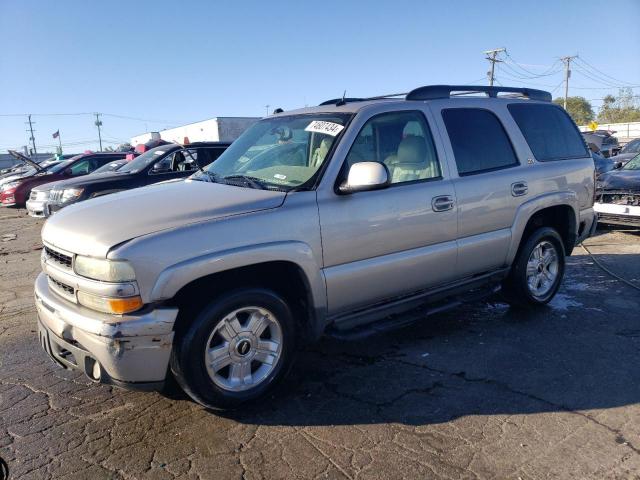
(176, 276)
(530, 207)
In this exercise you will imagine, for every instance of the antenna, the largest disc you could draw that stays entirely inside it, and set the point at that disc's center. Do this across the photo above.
(342, 100)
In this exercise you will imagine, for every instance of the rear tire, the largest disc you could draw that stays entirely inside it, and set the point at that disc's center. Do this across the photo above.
(537, 272)
(237, 348)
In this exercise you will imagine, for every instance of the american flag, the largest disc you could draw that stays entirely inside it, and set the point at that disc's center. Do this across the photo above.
(56, 134)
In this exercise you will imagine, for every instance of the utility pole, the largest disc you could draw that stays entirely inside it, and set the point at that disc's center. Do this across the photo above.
(32, 138)
(492, 55)
(267, 107)
(98, 124)
(567, 73)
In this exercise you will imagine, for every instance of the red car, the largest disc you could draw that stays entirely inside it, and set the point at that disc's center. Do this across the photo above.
(16, 193)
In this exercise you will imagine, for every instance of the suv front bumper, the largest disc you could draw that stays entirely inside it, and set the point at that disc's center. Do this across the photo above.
(130, 351)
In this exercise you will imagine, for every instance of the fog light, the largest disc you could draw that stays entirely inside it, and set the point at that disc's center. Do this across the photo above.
(96, 371)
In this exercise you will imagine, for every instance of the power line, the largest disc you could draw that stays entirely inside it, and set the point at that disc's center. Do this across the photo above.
(601, 73)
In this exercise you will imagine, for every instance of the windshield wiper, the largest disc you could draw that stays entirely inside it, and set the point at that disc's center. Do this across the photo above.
(253, 182)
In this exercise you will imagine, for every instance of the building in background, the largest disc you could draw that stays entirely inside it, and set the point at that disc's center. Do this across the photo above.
(218, 129)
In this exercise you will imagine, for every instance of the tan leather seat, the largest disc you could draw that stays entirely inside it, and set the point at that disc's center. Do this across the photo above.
(411, 160)
(320, 153)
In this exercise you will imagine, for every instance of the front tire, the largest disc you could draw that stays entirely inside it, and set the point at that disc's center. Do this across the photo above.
(537, 271)
(236, 349)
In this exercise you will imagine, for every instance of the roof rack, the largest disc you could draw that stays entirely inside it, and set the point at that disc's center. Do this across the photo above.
(433, 92)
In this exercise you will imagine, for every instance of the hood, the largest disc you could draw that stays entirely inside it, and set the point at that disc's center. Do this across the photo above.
(92, 179)
(620, 180)
(95, 226)
(24, 159)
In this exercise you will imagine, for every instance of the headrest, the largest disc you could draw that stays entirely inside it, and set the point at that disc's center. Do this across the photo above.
(412, 149)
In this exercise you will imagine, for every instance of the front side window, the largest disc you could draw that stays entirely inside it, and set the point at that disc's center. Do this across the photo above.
(81, 168)
(479, 141)
(144, 160)
(280, 152)
(549, 131)
(402, 142)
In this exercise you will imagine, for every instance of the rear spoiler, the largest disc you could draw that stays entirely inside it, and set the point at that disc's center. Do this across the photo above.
(25, 159)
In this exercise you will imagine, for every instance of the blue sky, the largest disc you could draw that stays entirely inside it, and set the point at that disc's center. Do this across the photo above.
(173, 62)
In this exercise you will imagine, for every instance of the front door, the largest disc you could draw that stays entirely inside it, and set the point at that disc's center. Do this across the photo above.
(382, 244)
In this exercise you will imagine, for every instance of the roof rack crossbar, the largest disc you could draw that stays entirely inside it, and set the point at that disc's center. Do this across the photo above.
(433, 92)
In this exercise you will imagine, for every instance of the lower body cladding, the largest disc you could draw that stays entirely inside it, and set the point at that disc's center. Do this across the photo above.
(37, 208)
(617, 214)
(131, 351)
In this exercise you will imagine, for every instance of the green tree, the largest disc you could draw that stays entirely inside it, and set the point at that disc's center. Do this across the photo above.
(579, 108)
(621, 109)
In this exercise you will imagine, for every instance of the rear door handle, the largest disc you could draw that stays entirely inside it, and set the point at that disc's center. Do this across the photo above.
(442, 203)
(519, 189)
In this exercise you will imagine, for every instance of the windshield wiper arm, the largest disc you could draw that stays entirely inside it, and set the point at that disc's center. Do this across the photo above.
(251, 181)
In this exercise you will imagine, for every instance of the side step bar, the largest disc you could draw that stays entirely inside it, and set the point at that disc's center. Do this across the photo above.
(401, 313)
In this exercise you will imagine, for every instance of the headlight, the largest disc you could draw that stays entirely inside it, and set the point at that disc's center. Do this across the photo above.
(10, 185)
(70, 194)
(105, 270)
(117, 306)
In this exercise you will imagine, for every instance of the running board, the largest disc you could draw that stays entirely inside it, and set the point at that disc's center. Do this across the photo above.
(369, 323)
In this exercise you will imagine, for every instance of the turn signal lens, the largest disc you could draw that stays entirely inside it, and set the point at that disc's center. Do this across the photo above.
(116, 306)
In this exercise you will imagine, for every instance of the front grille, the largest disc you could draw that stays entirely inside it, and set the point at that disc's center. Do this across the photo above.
(619, 198)
(57, 257)
(55, 196)
(68, 289)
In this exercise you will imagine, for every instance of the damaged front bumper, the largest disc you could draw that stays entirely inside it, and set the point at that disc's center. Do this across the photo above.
(617, 214)
(130, 351)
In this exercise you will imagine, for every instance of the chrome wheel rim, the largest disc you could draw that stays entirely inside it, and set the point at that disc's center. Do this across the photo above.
(243, 348)
(542, 269)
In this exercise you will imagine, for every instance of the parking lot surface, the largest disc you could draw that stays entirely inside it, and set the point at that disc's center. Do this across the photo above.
(483, 391)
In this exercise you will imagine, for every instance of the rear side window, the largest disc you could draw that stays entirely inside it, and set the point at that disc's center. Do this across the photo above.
(549, 131)
(479, 141)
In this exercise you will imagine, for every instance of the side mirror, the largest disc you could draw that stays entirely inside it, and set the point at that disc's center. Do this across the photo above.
(617, 165)
(68, 172)
(365, 176)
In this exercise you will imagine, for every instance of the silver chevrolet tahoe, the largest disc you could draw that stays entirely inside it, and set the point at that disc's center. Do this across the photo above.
(351, 217)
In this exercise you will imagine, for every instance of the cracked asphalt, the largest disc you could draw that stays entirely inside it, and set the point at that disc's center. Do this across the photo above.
(480, 392)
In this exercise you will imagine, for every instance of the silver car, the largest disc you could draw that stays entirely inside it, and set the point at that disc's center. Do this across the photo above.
(326, 220)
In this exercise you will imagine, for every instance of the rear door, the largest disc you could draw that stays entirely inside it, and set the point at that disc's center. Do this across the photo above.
(489, 180)
(381, 244)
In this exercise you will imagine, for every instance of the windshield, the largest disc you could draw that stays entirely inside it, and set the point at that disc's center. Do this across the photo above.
(281, 153)
(145, 159)
(62, 165)
(633, 164)
(110, 167)
(631, 147)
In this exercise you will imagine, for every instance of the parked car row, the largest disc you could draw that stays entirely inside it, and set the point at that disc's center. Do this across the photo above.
(45, 190)
(332, 219)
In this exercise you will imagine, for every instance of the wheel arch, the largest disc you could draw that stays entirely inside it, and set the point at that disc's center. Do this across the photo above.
(288, 268)
(558, 210)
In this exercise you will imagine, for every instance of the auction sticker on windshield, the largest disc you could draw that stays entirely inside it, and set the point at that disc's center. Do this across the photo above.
(328, 128)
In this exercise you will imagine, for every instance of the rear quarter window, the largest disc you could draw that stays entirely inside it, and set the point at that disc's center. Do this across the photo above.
(549, 131)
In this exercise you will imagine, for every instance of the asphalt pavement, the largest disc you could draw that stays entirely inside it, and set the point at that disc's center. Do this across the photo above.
(483, 391)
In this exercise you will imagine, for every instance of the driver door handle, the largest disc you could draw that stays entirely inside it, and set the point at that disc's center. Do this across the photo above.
(442, 203)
